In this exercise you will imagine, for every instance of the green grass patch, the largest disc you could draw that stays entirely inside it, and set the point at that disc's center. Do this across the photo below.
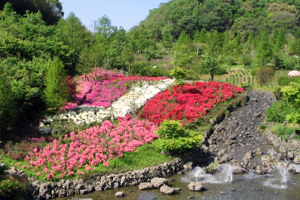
(285, 131)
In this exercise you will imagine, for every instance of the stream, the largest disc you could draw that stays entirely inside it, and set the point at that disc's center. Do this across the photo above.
(222, 185)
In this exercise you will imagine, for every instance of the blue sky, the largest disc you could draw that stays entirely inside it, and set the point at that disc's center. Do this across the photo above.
(125, 13)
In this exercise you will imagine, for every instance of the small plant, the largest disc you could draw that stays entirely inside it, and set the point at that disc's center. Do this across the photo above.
(179, 74)
(262, 127)
(173, 137)
(210, 168)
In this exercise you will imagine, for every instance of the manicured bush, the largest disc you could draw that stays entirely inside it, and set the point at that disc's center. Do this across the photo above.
(174, 138)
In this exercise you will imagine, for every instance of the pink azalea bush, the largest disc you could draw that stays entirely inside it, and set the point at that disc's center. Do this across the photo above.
(294, 73)
(102, 87)
(90, 147)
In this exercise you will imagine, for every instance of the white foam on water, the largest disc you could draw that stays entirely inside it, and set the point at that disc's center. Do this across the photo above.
(279, 180)
(224, 175)
(297, 167)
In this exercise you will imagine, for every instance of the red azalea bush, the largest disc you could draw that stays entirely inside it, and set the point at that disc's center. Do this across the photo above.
(90, 147)
(187, 102)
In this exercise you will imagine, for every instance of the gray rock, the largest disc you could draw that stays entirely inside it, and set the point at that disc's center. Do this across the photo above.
(221, 152)
(249, 155)
(237, 169)
(258, 151)
(80, 186)
(119, 194)
(297, 159)
(45, 188)
(272, 152)
(158, 182)
(145, 186)
(61, 193)
(266, 158)
(261, 170)
(188, 166)
(291, 155)
(84, 191)
(167, 190)
(291, 170)
(196, 186)
(283, 149)
(225, 158)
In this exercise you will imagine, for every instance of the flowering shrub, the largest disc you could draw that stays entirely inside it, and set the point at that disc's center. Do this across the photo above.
(90, 147)
(102, 87)
(20, 150)
(126, 104)
(187, 102)
(294, 73)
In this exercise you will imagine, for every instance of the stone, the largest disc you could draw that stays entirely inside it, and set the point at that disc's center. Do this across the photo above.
(45, 188)
(291, 155)
(249, 155)
(158, 182)
(84, 191)
(283, 149)
(188, 166)
(237, 169)
(266, 158)
(225, 158)
(145, 186)
(80, 187)
(297, 159)
(291, 170)
(167, 190)
(119, 194)
(258, 151)
(196, 186)
(221, 152)
(261, 170)
(272, 152)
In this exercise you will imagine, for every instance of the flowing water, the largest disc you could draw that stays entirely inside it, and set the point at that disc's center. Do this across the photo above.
(220, 185)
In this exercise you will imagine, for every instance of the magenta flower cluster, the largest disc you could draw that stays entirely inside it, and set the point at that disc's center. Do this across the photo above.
(91, 147)
(102, 87)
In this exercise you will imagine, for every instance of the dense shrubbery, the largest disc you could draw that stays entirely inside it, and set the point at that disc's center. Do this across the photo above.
(278, 112)
(285, 80)
(175, 138)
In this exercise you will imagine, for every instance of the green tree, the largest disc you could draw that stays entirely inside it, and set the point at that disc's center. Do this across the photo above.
(167, 41)
(211, 64)
(8, 107)
(264, 52)
(56, 87)
(281, 40)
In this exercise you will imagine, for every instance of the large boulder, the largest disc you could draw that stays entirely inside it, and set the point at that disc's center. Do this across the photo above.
(119, 194)
(158, 182)
(196, 186)
(167, 190)
(145, 186)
